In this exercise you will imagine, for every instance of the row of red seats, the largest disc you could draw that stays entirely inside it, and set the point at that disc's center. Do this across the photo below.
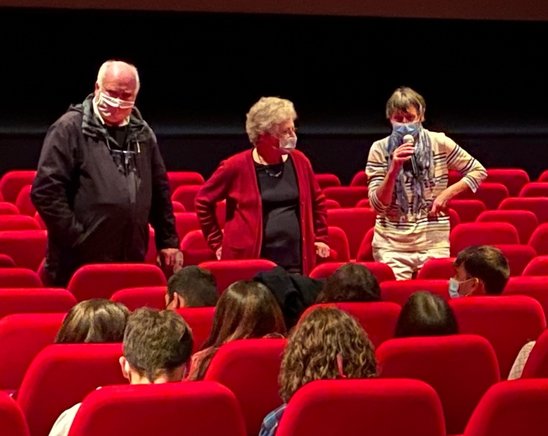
(460, 369)
(376, 407)
(507, 322)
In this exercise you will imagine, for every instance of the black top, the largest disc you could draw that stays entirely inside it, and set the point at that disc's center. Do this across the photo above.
(281, 224)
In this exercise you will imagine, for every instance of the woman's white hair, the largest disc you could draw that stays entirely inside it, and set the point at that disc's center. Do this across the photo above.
(266, 114)
(111, 63)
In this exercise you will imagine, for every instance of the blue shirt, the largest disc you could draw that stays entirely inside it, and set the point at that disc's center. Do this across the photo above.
(271, 421)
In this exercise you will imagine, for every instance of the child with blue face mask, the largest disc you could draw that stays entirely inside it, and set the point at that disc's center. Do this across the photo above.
(408, 186)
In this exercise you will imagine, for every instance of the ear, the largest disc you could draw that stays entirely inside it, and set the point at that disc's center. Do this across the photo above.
(477, 287)
(175, 302)
(126, 370)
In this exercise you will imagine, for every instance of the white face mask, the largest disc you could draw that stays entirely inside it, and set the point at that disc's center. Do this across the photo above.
(106, 102)
(455, 290)
(454, 285)
(287, 145)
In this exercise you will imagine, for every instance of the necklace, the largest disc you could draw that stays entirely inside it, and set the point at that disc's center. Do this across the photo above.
(272, 170)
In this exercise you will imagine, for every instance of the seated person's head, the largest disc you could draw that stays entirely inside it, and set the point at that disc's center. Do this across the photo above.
(191, 286)
(426, 314)
(157, 346)
(480, 269)
(245, 310)
(350, 282)
(94, 321)
(326, 344)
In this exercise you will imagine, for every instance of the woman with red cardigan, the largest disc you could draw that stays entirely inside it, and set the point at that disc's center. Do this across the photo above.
(274, 206)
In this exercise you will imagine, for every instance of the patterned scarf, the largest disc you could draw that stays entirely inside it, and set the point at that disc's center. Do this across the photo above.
(421, 171)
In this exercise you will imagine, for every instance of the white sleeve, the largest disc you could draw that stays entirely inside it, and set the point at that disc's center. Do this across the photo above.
(63, 423)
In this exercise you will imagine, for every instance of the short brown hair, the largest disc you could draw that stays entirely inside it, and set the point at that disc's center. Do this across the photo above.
(487, 263)
(350, 282)
(403, 98)
(312, 350)
(93, 321)
(156, 342)
(196, 285)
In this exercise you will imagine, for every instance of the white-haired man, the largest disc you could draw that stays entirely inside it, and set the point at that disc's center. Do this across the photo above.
(101, 180)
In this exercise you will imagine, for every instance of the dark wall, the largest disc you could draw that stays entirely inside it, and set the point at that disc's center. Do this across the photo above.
(483, 80)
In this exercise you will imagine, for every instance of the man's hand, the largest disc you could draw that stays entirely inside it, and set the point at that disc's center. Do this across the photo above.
(171, 257)
(322, 249)
(219, 253)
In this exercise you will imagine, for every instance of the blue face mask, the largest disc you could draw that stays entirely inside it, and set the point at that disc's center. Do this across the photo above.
(402, 129)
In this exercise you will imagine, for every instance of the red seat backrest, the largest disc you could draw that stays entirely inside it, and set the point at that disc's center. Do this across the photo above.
(518, 256)
(399, 291)
(355, 222)
(539, 239)
(168, 409)
(186, 194)
(524, 221)
(24, 202)
(22, 336)
(102, 280)
(537, 205)
(246, 367)
(35, 300)
(508, 322)
(19, 278)
(512, 178)
(468, 209)
(195, 248)
(533, 286)
(437, 268)
(467, 234)
(227, 272)
(347, 196)
(459, 367)
(200, 320)
(490, 193)
(537, 266)
(534, 189)
(372, 407)
(509, 408)
(26, 247)
(142, 296)
(338, 243)
(380, 270)
(12, 420)
(326, 180)
(178, 178)
(12, 182)
(18, 222)
(61, 376)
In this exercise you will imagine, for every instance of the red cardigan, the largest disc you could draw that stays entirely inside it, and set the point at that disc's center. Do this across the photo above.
(236, 181)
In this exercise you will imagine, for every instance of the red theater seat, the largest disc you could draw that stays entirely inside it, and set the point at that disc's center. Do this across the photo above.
(200, 320)
(459, 367)
(102, 280)
(524, 221)
(380, 270)
(12, 420)
(168, 409)
(511, 408)
(467, 234)
(35, 300)
(144, 296)
(512, 178)
(227, 272)
(12, 182)
(399, 291)
(246, 367)
(372, 407)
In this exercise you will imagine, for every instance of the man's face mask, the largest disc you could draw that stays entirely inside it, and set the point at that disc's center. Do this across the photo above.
(460, 289)
(107, 103)
(288, 144)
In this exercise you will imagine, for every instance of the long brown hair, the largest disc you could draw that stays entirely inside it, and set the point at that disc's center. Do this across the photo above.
(246, 309)
(327, 344)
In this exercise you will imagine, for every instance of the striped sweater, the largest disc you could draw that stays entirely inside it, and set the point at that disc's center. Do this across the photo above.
(418, 232)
